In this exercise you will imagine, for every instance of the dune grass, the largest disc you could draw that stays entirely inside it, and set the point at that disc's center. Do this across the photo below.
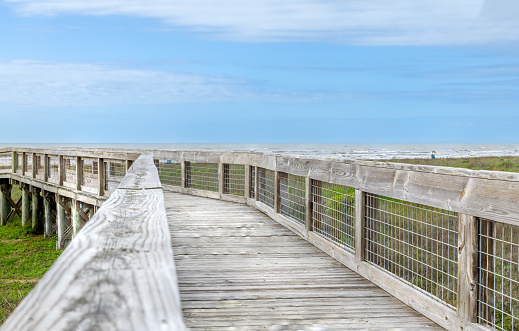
(504, 163)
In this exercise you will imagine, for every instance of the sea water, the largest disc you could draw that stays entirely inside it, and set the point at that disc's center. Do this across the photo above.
(340, 151)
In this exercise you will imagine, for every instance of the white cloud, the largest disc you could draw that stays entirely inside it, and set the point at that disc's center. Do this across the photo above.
(372, 22)
(34, 83)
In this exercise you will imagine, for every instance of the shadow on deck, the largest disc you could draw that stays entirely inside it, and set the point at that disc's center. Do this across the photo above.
(239, 269)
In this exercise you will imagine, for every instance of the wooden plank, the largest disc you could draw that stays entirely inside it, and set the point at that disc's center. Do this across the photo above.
(142, 174)
(117, 274)
(360, 224)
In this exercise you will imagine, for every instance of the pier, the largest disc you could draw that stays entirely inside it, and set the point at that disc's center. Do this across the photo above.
(170, 240)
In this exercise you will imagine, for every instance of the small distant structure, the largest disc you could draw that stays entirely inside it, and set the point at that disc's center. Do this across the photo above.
(433, 155)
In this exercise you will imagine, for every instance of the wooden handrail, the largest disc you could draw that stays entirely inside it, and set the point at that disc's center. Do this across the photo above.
(118, 273)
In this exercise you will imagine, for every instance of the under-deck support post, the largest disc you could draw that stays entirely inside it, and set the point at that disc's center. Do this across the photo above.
(77, 222)
(48, 213)
(26, 204)
(60, 220)
(35, 207)
(467, 267)
(5, 207)
(360, 225)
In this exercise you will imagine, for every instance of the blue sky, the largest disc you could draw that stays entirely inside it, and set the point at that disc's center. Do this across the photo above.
(259, 71)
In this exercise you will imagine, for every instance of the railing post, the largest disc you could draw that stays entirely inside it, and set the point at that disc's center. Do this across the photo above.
(79, 173)
(61, 170)
(45, 167)
(24, 163)
(221, 178)
(276, 191)
(246, 187)
(256, 183)
(14, 165)
(183, 174)
(308, 205)
(34, 165)
(467, 267)
(360, 225)
(101, 177)
(128, 164)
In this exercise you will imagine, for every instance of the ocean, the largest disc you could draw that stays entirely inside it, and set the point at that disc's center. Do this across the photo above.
(340, 151)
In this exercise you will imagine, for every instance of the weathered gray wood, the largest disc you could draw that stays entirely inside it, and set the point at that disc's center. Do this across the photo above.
(60, 220)
(48, 214)
(467, 267)
(360, 225)
(117, 274)
(77, 222)
(35, 207)
(79, 173)
(101, 176)
(247, 179)
(26, 206)
(276, 192)
(5, 207)
(140, 175)
(221, 178)
(273, 280)
(256, 184)
(308, 204)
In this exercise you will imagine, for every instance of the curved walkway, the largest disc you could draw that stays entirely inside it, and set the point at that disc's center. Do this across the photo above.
(238, 269)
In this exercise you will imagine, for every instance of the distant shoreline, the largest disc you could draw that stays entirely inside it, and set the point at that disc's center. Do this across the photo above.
(494, 163)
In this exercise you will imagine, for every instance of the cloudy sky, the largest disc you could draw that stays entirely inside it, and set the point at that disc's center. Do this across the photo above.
(259, 71)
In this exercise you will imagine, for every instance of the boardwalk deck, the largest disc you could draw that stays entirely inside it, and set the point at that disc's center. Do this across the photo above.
(238, 269)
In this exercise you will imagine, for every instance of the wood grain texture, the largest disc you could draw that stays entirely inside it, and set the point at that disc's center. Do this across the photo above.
(117, 274)
(238, 269)
(141, 176)
(467, 267)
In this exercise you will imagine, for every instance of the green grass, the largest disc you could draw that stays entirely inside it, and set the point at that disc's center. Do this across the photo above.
(505, 163)
(24, 258)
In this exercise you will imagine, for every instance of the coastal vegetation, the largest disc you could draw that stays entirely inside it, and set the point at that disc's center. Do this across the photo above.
(25, 255)
(504, 163)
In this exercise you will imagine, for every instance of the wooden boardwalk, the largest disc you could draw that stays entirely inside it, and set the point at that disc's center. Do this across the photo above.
(238, 269)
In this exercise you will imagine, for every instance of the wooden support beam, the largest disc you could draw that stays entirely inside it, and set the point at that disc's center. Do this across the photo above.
(26, 205)
(34, 165)
(61, 221)
(467, 267)
(101, 176)
(47, 205)
(79, 173)
(221, 178)
(183, 174)
(77, 222)
(5, 206)
(360, 225)
(276, 191)
(35, 207)
(45, 167)
(246, 186)
(15, 208)
(61, 170)
(15, 162)
(256, 184)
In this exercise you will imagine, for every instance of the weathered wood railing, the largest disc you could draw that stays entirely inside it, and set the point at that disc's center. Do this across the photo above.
(118, 273)
(444, 241)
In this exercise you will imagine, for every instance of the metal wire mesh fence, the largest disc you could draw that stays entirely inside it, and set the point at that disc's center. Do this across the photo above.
(6, 161)
(28, 164)
(115, 170)
(234, 179)
(69, 167)
(498, 274)
(414, 242)
(292, 196)
(90, 173)
(202, 176)
(39, 166)
(170, 173)
(266, 186)
(53, 169)
(333, 213)
(252, 184)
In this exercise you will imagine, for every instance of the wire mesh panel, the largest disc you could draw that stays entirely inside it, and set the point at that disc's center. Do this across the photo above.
(333, 213)
(6, 162)
(53, 169)
(90, 173)
(202, 176)
(498, 271)
(115, 170)
(252, 184)
(19, 163)
(28, 164)
(170, 173)
(266, 186)
(414, 242)
(69, 169)
(39, 166)
(292, 196)
(234, 179)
